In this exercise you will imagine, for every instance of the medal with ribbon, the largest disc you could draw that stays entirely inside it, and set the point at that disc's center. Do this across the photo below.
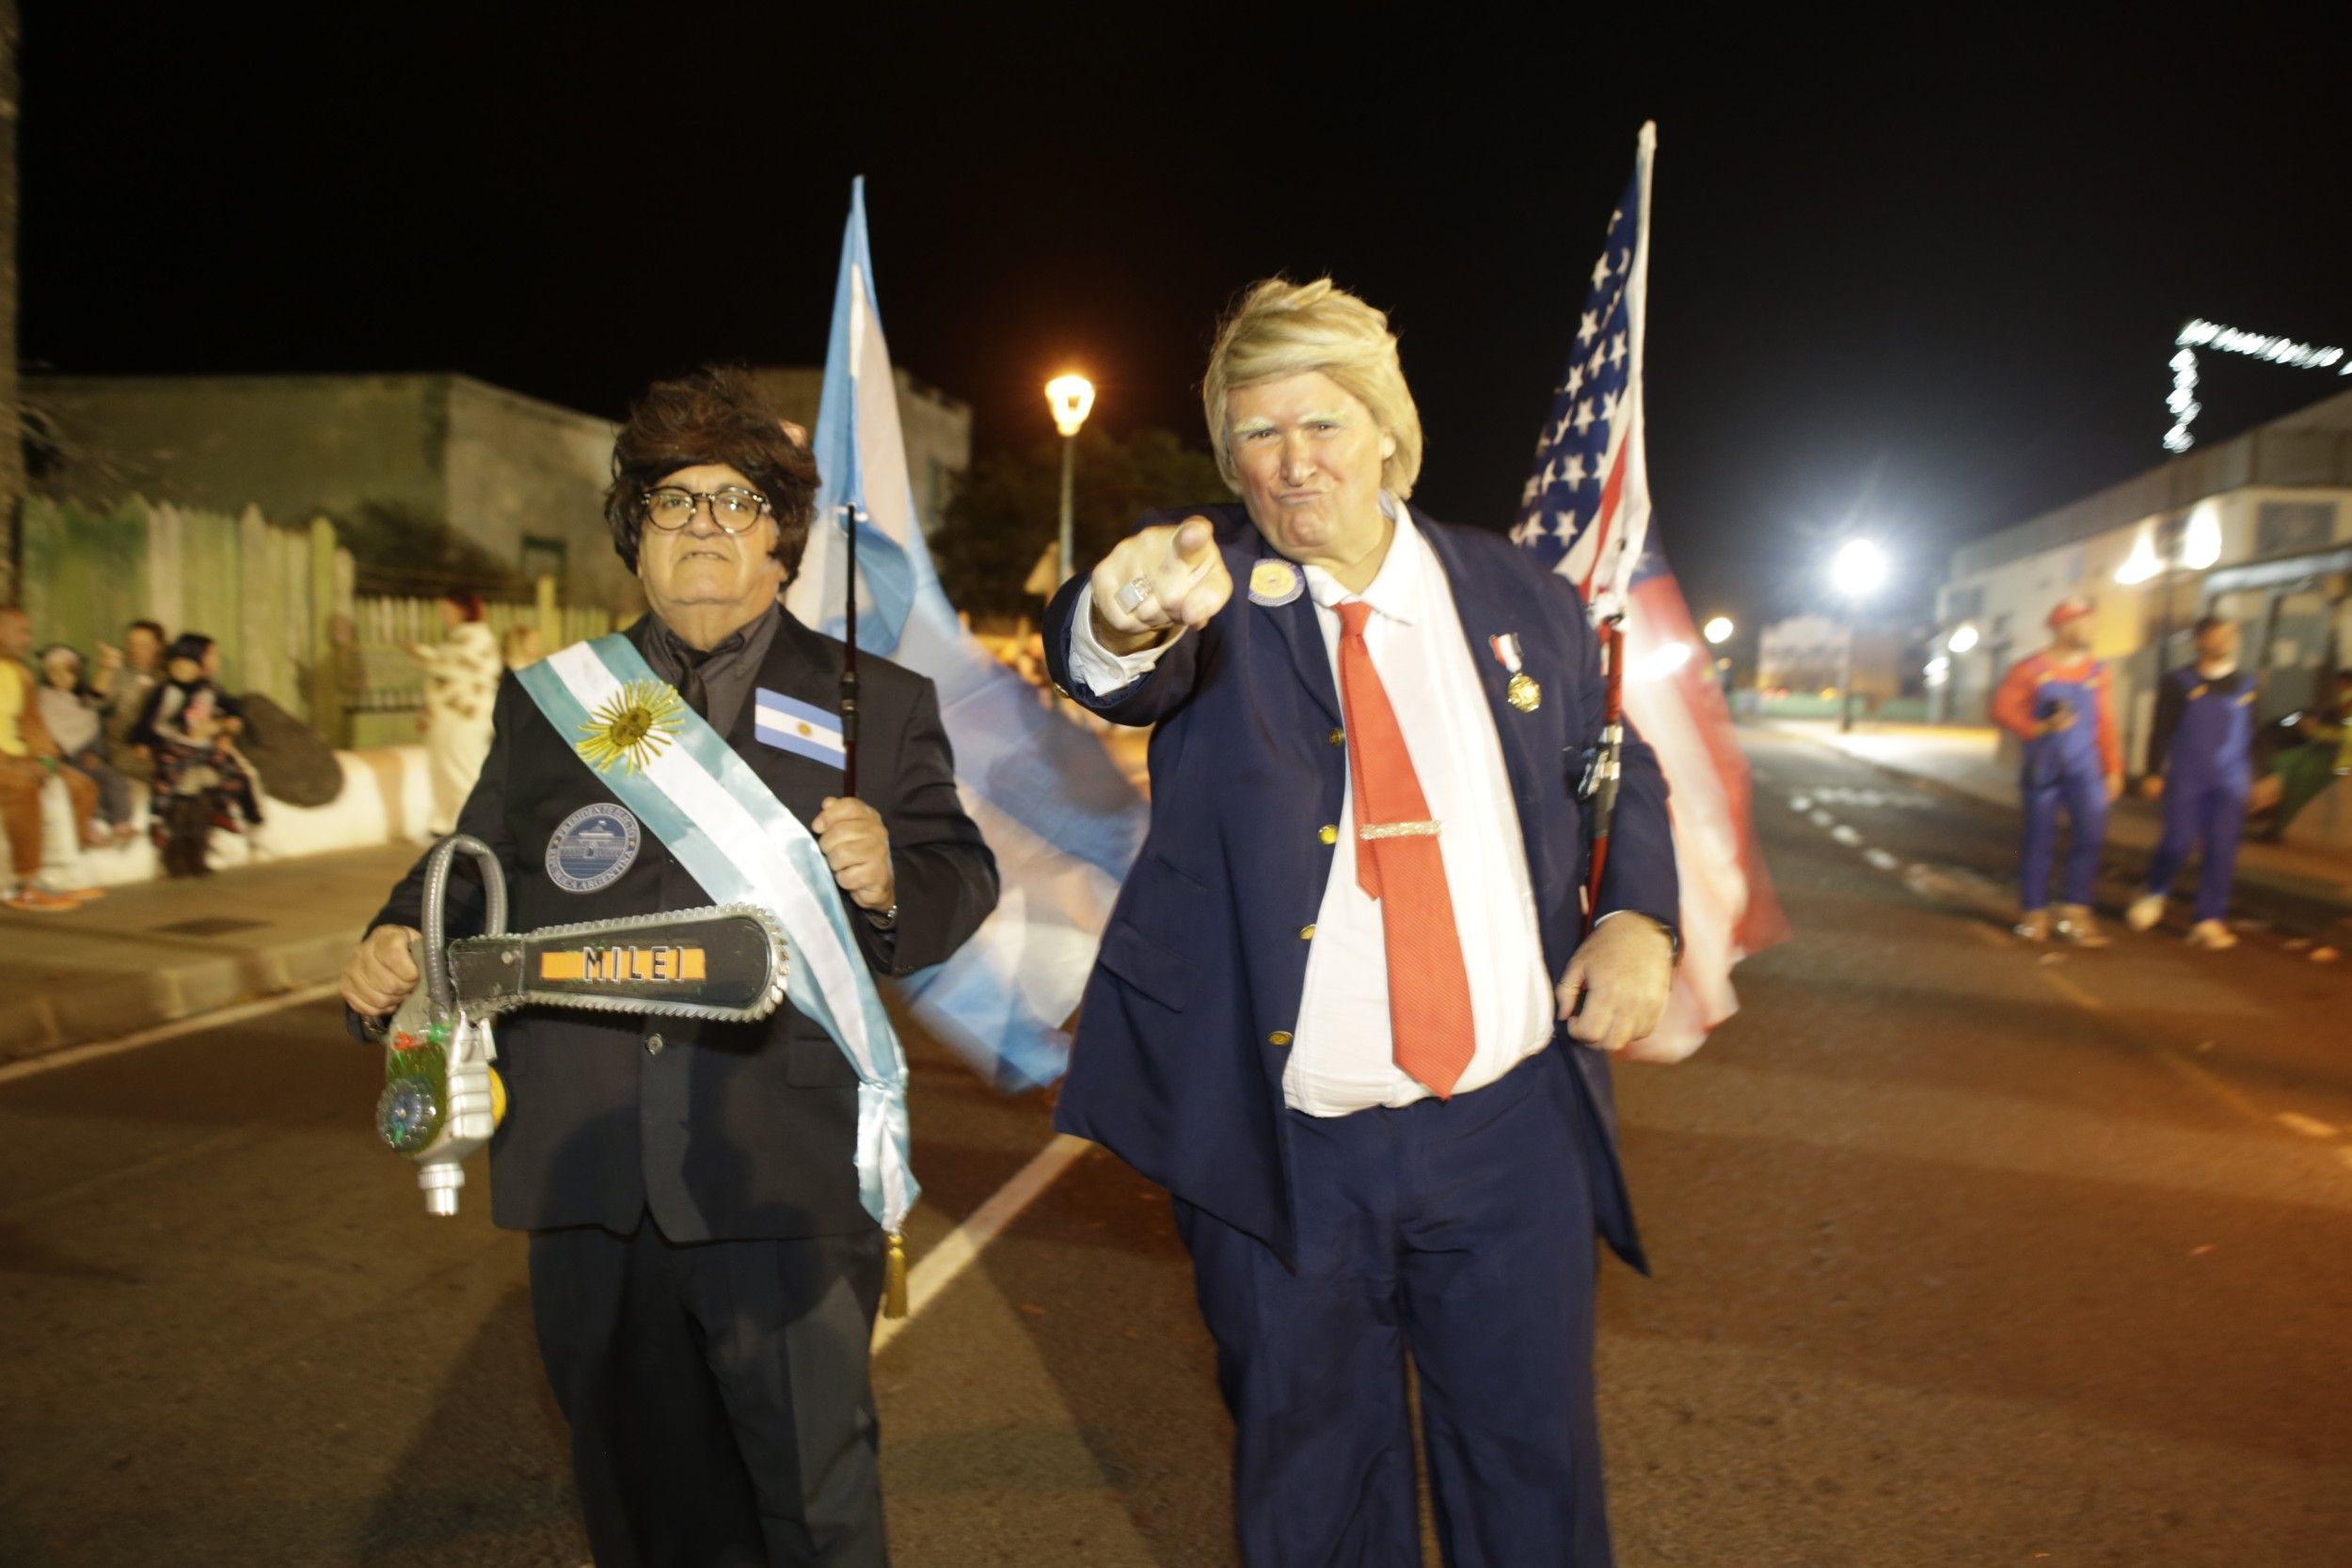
(1522, 692)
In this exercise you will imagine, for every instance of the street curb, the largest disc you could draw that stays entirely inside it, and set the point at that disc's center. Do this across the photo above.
(108, 1009)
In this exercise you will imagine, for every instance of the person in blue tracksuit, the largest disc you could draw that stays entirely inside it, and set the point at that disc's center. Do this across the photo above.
(2199, 764)
(2056, 701)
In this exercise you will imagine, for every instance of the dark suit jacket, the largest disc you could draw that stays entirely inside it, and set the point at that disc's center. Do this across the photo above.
(1175, 1066)
(727, 1131)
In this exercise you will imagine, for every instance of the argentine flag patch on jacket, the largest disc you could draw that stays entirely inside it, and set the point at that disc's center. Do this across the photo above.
(803, 728)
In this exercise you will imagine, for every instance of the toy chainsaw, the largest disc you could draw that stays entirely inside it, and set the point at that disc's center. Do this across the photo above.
(442, 1099)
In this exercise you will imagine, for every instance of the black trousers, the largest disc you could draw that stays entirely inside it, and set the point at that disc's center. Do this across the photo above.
(721, 1411)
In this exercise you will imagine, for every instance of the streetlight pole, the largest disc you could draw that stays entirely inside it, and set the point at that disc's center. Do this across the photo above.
(1068, 485)
(1718, 631)
(1845, 675)
(1857, 571)
(1070, 398)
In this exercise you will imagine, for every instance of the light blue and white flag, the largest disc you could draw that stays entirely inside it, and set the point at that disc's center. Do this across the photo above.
(802, 728)
(1064, 822)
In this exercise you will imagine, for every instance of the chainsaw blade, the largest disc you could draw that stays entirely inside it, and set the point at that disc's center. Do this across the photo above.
(726, 963)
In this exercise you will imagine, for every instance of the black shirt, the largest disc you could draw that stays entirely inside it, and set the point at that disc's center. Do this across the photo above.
(728, 670)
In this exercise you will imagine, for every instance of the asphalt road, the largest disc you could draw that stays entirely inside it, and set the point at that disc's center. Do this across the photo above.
(1966, 1254)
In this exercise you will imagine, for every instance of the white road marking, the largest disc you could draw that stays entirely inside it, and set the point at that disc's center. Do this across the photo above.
(1800, 803)
(75, 1055)
(2295, 1121)
(958, 1249)
(1882, 860)
(2067, 988)
(1823, 819)
(2213, 1085)
(1877, 799)
(1846, 835)
(936, 1271)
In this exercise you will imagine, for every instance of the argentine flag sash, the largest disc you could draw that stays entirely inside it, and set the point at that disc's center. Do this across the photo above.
(685, 783)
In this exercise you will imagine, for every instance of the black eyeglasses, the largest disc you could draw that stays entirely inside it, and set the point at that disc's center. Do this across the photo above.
(734, 509)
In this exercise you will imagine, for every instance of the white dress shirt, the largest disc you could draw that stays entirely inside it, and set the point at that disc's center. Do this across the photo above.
(1341, 1054)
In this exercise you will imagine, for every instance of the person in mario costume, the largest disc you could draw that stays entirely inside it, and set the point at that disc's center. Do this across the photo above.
(2058, 702)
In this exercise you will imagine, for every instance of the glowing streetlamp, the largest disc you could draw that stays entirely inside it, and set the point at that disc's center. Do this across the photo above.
(1718, 631)
(1072, 399)
(1858, 570)
(1963, 639)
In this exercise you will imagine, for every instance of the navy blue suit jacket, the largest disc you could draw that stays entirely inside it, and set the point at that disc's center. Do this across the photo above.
(1174, 1067)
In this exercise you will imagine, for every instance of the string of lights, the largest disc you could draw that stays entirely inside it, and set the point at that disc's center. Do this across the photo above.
(2228, 339)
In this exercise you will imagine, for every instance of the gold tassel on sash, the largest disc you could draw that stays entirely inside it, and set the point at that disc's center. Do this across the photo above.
(894, 1278)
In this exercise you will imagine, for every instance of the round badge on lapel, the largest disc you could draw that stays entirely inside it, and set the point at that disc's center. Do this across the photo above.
(1275, 582)
(592, 846)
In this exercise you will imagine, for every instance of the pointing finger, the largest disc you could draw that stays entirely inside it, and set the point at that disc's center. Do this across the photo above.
(1195, 541)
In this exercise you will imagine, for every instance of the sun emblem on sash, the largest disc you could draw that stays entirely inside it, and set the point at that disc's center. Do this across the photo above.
(632, 727)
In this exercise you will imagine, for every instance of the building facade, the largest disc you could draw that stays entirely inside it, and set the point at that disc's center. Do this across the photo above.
(937, 430)
(2258, 528)
(1804, 653)
(520, 481)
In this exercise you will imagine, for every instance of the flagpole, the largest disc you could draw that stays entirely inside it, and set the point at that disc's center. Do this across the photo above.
(849, 656)
(1608, 766)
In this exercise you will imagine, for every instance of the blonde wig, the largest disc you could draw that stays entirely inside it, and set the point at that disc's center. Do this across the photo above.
(1280, 328)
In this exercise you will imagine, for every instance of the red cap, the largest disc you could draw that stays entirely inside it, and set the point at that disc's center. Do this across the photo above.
(2073, 608)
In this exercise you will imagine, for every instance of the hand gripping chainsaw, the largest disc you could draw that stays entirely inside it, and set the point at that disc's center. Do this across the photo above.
(442, 1099)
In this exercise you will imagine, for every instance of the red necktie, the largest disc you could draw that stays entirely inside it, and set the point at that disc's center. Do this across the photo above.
(1397, 863)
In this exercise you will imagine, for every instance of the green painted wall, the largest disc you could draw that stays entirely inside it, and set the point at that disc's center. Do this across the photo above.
(86, 570)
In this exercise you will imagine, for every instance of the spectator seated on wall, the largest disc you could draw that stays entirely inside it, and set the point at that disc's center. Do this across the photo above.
(125, 679)
(75, 715)
(202, 781)
(30, 759)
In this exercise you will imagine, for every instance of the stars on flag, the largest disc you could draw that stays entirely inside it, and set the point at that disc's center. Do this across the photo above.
(1592, 407)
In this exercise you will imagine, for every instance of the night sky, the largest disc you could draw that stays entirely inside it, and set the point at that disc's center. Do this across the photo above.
(1923, 280)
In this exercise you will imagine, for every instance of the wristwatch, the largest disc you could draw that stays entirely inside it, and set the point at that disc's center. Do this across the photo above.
(887, 920)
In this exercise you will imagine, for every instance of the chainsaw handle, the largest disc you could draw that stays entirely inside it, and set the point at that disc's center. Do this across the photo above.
(439, 987)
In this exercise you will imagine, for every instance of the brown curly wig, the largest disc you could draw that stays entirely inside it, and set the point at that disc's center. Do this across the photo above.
(714, 414)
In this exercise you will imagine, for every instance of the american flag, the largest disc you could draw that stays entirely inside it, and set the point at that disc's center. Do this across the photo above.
(1585, 511)
(1586, 515)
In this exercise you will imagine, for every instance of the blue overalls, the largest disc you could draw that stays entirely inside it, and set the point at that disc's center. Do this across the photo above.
(2206, 752)
(2064, 768)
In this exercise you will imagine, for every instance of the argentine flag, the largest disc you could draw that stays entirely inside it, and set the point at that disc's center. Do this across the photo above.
(1064, 822)
(802, 728)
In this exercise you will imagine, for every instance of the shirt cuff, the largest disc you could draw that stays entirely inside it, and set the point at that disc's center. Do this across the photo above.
(1104, 672)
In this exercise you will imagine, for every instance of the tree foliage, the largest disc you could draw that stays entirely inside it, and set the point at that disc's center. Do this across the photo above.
(1008, 510)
